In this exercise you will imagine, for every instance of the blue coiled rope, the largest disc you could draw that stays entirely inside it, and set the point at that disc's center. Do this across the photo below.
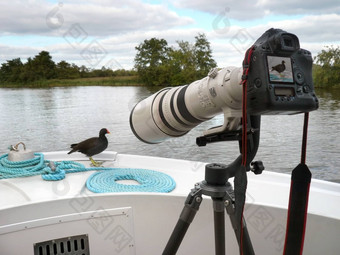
(149, 181)
(104, 181)
(39, 166)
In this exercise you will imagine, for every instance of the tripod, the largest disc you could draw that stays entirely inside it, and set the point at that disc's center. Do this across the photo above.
(216, 186)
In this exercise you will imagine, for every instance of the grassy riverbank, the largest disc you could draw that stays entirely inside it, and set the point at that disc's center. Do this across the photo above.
(126, 80)
(93, 81)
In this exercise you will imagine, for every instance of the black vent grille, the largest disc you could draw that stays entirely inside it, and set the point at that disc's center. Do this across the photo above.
(73, 245)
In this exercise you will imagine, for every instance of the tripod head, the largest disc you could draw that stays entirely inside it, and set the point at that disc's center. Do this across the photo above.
(254, 122)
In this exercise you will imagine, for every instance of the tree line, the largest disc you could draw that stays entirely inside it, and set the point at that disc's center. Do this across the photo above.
(158, 64)
(42, 67)
(326, 70)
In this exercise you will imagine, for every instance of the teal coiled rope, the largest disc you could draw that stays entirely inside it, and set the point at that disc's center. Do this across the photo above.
(39, 166)
(10, 169)
(149, 181)
(104, 181)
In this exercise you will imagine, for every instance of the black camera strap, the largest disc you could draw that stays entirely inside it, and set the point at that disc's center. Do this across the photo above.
(240, 180)
(298, 201)
(300, 181)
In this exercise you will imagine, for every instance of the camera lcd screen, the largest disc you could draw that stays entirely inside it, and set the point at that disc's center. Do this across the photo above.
(280, 69)
(286, 91)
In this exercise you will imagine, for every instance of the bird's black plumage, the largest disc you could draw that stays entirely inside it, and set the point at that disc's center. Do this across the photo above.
(92, 146)
(280, 67)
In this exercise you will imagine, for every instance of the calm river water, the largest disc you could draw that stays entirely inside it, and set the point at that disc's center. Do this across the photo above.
(51, 119)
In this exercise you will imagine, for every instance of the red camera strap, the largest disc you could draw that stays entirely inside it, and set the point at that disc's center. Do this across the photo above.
(246, 67)
(240, 181)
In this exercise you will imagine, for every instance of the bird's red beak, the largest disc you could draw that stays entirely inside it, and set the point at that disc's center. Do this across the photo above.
(107, 131)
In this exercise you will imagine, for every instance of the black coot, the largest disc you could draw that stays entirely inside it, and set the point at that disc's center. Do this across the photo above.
(280, 67)
(92, 146)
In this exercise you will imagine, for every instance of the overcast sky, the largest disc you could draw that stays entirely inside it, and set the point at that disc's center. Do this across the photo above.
(95, 33)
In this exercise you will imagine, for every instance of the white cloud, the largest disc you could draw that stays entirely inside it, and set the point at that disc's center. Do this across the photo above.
(313, 31)
(257, 9)
(118, 27)
(10, 52)
(97, 19)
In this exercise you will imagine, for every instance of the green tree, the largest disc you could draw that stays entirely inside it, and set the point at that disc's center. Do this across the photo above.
(203, 56)
(326, 72)
(28, 72)
(44, 67)
(157, 64)
(150, 61)
(11, 70)
(65, 70)
(84, 71)
(182, 67)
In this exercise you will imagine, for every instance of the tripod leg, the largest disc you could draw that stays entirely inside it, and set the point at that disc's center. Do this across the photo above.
(247, 247)
(219, 226)
(188, 213)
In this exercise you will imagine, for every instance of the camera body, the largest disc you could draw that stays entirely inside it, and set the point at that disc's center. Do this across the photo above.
(280, 76)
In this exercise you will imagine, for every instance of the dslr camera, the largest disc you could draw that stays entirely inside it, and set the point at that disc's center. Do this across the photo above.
(280, 76)
(279, 81)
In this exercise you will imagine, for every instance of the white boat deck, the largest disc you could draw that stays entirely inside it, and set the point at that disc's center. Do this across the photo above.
(32, 207)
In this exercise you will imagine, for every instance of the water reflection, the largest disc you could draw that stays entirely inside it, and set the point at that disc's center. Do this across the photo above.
(52, 119)
(329, 99)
